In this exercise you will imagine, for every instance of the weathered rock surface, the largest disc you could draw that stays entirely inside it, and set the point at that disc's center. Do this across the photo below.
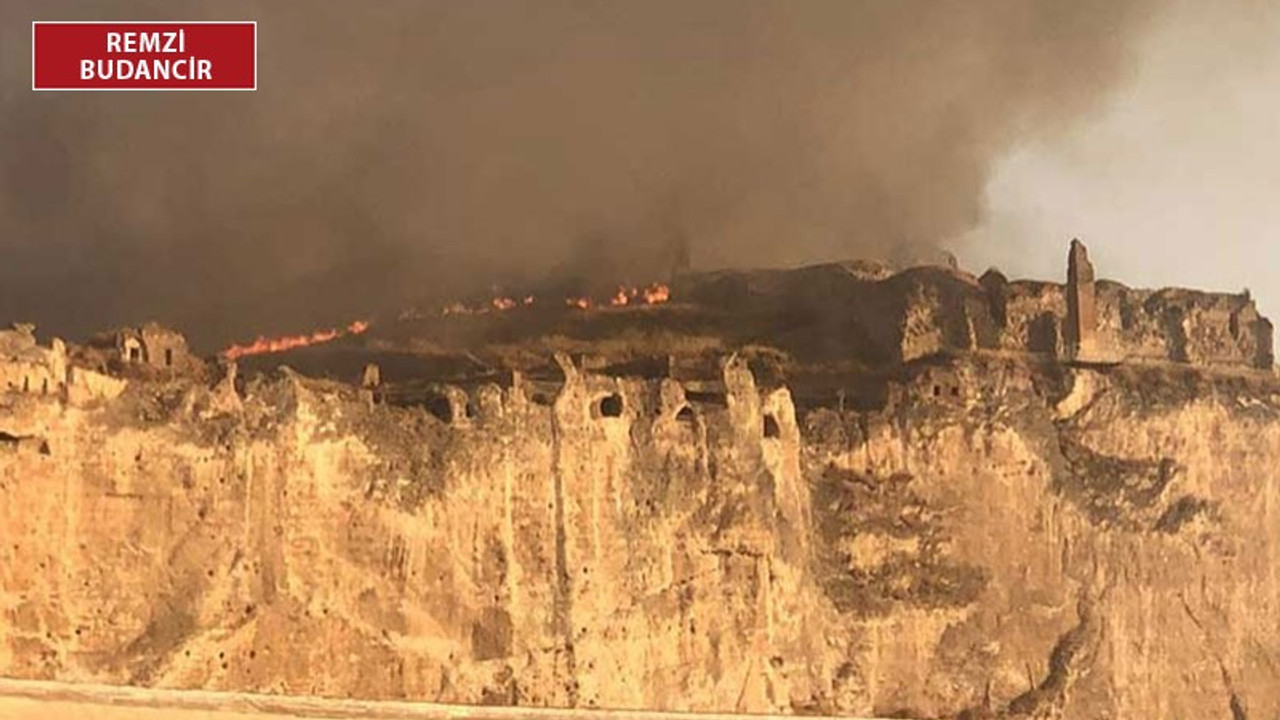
(1002, 538)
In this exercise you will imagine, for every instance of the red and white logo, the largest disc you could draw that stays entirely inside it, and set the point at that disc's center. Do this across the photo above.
(144, 55)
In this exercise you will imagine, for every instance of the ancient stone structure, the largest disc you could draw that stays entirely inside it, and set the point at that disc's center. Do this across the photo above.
(86, 386)
(833, 490)
(28, 368)
(885, 320)
(1082, 320)
(151, 345)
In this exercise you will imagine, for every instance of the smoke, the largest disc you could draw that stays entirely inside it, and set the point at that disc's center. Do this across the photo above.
(399, 152)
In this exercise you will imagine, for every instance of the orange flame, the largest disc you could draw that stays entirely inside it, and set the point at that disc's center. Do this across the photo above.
(656, 294)
(264, 345)
(652, 294)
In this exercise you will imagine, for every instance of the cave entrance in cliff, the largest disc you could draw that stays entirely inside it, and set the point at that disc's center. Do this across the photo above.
(609, 406)
(771, 429)
(685, 415)
(439, 406)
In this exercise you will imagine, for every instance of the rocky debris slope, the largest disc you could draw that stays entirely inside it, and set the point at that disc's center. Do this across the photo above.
(1000, 539)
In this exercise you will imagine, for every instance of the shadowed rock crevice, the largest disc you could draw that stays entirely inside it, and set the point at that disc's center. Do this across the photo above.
(1070, 658)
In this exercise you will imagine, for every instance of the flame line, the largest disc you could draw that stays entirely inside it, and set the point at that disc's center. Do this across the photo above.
(264, 345)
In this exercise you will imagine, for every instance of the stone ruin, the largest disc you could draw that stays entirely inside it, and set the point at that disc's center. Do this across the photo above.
(1082, 319)
(94, 371)
(28, 368)
(1091, 321)
(151, 345)
(867, 315)
(703, 481)
(1108, 322)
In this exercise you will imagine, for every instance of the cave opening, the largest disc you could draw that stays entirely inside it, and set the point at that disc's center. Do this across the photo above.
(771, 429)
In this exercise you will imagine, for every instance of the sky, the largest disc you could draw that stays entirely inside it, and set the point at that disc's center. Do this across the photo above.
(405, 152)
(1174, 180)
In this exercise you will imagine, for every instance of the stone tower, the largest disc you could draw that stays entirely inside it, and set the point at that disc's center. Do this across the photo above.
(1082, 321)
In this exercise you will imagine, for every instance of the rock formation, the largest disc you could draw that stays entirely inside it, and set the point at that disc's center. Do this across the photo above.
(975, 533)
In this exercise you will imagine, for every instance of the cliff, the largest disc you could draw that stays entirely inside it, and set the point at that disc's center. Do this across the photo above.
(999, 536)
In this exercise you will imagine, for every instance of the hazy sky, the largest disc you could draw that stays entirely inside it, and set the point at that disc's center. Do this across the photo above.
(1174, 180)
(405, 150)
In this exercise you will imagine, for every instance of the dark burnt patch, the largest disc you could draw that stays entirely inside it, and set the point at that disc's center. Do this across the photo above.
(1113, 491)
(918, 573)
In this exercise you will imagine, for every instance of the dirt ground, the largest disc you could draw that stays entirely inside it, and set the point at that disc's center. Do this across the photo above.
(23, 699)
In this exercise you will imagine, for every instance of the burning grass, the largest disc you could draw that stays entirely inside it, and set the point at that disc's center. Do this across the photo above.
(264, 345)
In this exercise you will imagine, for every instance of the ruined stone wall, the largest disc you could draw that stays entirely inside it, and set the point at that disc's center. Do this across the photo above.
(86, 386)
(29, 377)
(1099, 543)
(833, 313)
(165, 349)
(1033, 314)
(1171, 325)
(25, 367)
(1185, 326)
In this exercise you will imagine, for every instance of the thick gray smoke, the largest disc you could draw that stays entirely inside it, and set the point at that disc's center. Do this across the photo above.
(402, 151)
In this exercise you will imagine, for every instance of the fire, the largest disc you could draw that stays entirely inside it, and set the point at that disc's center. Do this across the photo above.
(264, 345)
(652, 294)
(656, 294)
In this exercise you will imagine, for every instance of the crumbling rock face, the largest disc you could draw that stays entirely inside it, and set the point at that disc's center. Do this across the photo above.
(1000, 539)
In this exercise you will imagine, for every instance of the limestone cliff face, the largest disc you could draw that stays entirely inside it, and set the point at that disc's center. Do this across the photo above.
(1000, 538)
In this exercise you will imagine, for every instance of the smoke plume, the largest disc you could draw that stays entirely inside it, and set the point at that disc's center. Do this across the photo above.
(400, 152)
